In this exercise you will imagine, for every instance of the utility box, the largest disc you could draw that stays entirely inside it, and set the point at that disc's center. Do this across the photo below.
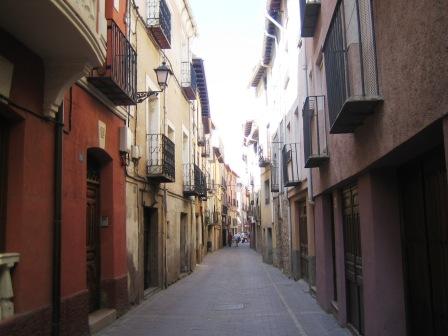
(125, 139)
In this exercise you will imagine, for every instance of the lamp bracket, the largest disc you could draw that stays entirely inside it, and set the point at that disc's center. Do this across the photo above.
(142, 96)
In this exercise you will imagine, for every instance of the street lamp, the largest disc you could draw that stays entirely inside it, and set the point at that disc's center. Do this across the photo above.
(163, 73)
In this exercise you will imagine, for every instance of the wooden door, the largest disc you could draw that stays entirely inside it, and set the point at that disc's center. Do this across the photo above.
(183, 243)
(425, 243)
(353, 258)
(93, 245)
(303, 235)
(3, 181)
(150, 255)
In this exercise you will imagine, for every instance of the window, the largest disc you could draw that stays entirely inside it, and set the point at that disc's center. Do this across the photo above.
(117, 5)
(267, 192)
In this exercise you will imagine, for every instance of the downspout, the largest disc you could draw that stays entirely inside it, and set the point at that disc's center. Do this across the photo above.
(57, 214)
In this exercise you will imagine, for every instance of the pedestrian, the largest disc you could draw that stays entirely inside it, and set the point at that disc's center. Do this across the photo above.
(237, 240)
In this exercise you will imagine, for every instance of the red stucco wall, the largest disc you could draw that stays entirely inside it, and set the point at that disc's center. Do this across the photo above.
(29, 211)
(86, 111)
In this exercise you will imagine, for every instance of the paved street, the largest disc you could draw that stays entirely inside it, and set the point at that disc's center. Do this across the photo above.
(232, 293)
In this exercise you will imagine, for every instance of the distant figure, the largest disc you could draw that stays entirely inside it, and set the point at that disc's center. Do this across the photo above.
(229, 239)
(237, 240)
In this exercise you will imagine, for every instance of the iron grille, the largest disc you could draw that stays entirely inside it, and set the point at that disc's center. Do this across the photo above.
(314, 131)
(275, 168)
(205, 152)
(290, 162)
(350, 66)
(161, 156)
(118, 79)
(264, 159)
(188, 80)
(159, 22)
(195, 182)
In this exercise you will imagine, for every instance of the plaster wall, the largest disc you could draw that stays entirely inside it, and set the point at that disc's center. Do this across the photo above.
(407, 107)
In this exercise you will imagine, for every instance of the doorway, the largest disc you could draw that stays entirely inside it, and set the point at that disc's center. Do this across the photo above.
(4, 134)
(183, 243)
(93, 244)
(303, 241)
(269, 247)
(150, 255)
(424, 196)
(353, 258)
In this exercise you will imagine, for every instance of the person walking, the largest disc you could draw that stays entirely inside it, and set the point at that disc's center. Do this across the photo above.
(237, 240)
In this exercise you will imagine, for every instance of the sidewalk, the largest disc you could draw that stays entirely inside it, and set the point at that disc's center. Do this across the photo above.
(232, 293)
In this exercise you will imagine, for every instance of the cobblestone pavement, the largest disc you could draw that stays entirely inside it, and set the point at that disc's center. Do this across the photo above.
(232, 293)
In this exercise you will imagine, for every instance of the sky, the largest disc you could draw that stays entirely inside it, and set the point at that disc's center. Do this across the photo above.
(230, 40)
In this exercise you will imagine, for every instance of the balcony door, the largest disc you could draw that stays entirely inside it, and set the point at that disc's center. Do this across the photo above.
(425, 239)
(353, 258)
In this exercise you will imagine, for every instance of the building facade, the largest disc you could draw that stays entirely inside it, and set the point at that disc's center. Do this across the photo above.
(380, 188)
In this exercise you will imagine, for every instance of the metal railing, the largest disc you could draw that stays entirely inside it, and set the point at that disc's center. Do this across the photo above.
(195, 182)
(188, 80)
(161, 158)
(205, 151)
(315, 147)
(290, 161)
(351, 65)
(159, 16)
(118, 81)
(264, 159)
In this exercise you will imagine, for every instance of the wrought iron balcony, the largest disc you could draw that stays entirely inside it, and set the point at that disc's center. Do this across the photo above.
(275, 181)
(351, 67)
(264, 160)
(161, 156)
(205, 152)
(216, 217)
(188, 80)
(211, 186)
(195, 183)
(314, 131)
(117, 79)
(201, 141)
(290, 160)
(159, 22)
(309, 13)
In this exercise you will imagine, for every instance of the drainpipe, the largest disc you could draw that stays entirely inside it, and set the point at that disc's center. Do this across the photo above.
(56, 288)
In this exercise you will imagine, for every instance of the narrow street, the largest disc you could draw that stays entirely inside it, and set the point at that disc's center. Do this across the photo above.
(232, 293)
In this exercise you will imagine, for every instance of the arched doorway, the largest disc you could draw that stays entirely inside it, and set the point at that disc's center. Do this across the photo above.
(96, 160)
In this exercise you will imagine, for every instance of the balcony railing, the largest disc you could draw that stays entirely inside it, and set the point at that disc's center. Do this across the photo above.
(117, 80)
(159, 22)
(351, 67)
(161, 157)
(290, 160)
(264, 159)
(314, 131)
(216, 217)
(211, 186)
(309, 13)
(195, 183)
(275, 179)
(205, 151)
(188, 80)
